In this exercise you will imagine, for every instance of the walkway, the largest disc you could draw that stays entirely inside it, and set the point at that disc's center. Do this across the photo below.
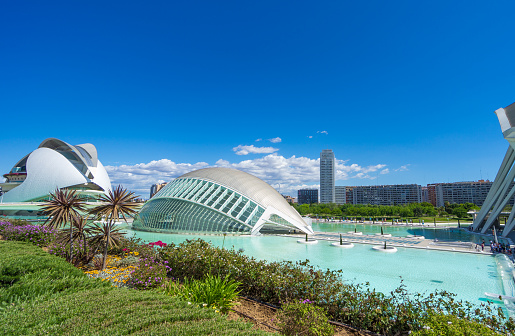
(407, 242)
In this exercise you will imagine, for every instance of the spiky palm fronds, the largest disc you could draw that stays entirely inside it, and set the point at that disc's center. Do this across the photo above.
(78, 230)
(117, 202)
(106, 234)
(63, 207)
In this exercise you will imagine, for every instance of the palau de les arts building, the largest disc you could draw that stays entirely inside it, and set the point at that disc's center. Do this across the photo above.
(219, 200)
(56, 164)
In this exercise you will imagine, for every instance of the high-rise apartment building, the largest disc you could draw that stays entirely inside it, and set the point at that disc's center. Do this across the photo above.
(425, 194)
(386, 194)
(327, 176)
(340, 194)
(307, 196)
(460, 192)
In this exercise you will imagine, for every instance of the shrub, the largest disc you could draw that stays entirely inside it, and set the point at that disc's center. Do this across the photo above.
(29, 233)
(213, 292)
(303, 318)
(150, 273)
(440, 324)
(275, 282)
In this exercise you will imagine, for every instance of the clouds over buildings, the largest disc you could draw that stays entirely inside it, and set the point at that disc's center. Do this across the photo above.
(283, 173)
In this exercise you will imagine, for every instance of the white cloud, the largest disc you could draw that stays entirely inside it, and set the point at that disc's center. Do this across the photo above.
(275, 140)
(259, 139)
(290, 174)
(385, 171)
(310, 136)
(245, 150)
(403, 168)
(140, 177)
(322, 132)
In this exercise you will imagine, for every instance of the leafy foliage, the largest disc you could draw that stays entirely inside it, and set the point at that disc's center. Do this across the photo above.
(441, 324)
(150, 273)
(35, 234)
(212, 292)
(277, 282)
(303, 318)
(367, 211)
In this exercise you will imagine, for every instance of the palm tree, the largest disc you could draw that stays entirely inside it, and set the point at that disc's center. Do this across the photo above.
(79, 230)
(116, 203)
(63, 207)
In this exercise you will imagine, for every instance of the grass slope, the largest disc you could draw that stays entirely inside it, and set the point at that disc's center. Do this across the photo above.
(44, 295)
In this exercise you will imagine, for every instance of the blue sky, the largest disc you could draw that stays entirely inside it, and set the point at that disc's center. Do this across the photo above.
(402, 91)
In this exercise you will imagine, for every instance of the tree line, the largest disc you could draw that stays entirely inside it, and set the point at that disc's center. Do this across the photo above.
(423, 209)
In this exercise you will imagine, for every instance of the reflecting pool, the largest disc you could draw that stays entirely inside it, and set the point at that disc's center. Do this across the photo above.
(450, 234)
(467, 275)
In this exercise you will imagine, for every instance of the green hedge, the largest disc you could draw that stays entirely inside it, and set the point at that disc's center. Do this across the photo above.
(395, 313)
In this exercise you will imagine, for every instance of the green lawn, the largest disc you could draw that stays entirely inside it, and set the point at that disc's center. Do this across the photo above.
(42, 294)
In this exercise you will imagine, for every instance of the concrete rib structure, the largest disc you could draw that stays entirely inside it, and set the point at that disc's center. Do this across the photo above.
(218, 200)
(56, 164)
(502, 189)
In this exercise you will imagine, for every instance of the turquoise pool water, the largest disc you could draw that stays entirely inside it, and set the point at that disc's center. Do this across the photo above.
(452, 234)
(467, 275)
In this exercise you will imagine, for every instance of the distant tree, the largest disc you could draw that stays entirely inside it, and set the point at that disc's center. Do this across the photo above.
(460, 212)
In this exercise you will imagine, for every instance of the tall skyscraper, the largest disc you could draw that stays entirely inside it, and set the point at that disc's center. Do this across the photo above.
(327, 173)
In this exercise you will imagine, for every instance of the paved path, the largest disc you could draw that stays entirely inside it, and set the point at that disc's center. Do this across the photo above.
(465, 247)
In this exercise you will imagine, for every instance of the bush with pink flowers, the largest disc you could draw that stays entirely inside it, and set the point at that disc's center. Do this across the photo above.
(35, 234)
(151, 273)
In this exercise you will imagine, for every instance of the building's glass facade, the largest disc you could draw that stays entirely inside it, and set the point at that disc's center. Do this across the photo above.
(327, 176)
(191, 205)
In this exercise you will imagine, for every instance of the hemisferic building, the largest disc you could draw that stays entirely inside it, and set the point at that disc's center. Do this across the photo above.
(216, 201)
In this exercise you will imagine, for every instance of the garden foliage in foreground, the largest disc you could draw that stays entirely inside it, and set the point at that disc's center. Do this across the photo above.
(395, 313)
(43, 294)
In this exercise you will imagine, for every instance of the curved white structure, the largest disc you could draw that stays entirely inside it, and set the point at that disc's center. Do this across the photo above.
(343, 245)
(309, 241)
(502, 190)
(218, 200)
(56, 164)
(388, 249)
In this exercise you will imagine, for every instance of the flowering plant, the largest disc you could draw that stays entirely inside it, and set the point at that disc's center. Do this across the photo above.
(150, 273)
(34, 234)
(158, 243)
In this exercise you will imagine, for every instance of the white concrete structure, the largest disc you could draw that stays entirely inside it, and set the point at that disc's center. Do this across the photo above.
(219, 200)
(502, 189)
(56, 164)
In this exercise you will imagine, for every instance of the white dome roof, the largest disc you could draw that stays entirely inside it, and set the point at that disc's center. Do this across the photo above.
(255, 189)
(56, 164)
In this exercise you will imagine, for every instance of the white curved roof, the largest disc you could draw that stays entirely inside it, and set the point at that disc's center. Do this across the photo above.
(254, 188)
(47, 169)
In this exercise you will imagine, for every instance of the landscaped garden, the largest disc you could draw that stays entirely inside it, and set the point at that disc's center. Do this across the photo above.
(84, 278)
